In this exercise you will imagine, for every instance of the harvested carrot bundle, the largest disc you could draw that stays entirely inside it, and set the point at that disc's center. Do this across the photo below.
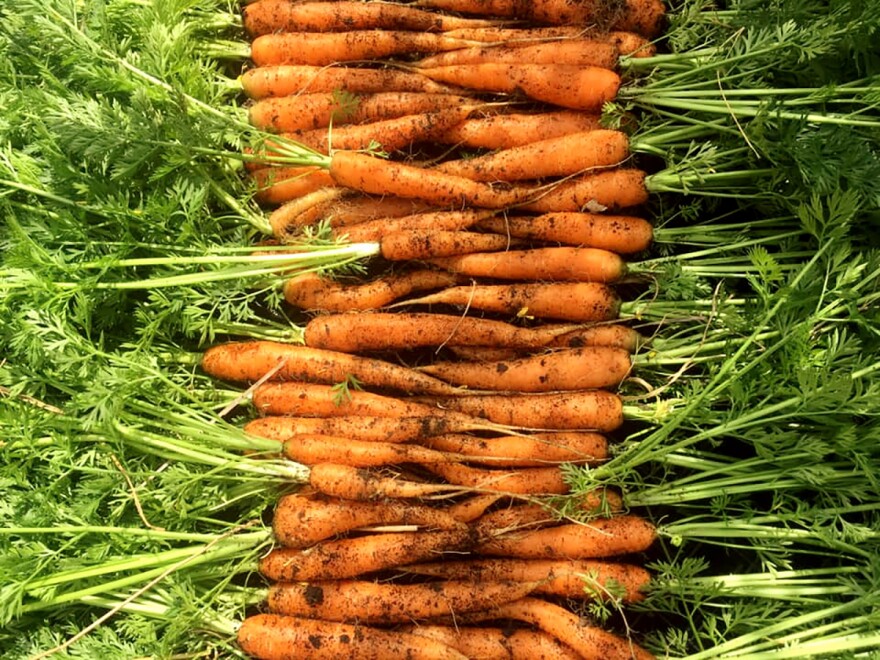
(426, 223)
(303, 112)
(497, 643)
(599, 538)
(616, 233)
(286, 79)
(585, 368)
(276, 185)
(568, 579)
(524, 450)
(370, 602)
(525, 481)
(346, 558)
(252, 361)
(505, 131)
(276, 637)
(314, 449)
(552, 264)
(581, 52)
(312, 292)
(323, 49)
(300, 522)
(268, 16)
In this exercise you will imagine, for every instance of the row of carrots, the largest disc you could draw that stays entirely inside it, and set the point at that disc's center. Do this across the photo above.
(429, 505)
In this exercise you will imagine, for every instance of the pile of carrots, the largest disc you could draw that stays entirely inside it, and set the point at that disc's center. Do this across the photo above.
(435, 438)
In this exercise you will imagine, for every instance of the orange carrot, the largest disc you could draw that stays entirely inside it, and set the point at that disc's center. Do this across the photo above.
(497, 643)
(497, 35)
(375, 230)
(525, 451)
(351, 483)
(473, 507)
(371, 602)
(276, 637)
(300, 522)
(314, 449)
(305, 211)
(268, 16)
(251, 361)
(611, 189)
(312, 292)
(559, 156)
(632, 44)
(602, 537)
(599, 502)
(569, 301)
(591, 367)
(322, 49)
(322, 400)
(276, 185)
(506, 131)
(608, 334)
(553, 264)
(287, 79)
(346, 558)
(525, 481)
(616, 233)
(426, 244)
(581, 52)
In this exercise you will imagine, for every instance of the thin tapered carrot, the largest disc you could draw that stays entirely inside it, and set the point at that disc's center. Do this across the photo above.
(357, 484)
(497, 643)
(268, 16)
(525, 450)
(581, 52)
(505, 131)
(312, 292)
(569, 301)
(375, 230)
(251, 361)
(322, 49)
(308, 210)
(286, 79)
(558, 156)
(552, 264)
(277, 185)
(599, 538)
(300, 522)
(347, 558)
(590, 367)
(277, 637)
(427, 244)
(303, 112)
(372, 602)
(565, 85)
(379, 331)
(524, 481)
(314, 449)
(473, 507)
(568, 579)
(595, 410)
(622, 234)
(612, 189)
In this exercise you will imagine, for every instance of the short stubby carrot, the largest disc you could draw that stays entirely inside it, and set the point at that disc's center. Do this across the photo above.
(550, 264)
(618, 188)
(277, 185)
(286, 79)
(599, 538)
(347, 558)
(300, 522)
(567, 301)
(581, 52)
(497, 643)
(314, 293)
(622, 234)
(277, 637)
(426, 223)
(505, 131)
(314, 449)
(523, 481)
(372, 602)
(524, 450)
(591, 367)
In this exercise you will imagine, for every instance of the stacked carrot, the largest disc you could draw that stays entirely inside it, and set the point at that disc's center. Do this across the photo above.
(428, 511)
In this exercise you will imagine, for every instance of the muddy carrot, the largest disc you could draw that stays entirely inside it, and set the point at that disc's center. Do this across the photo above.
(497, 643)
(351, 483)
(277, 185)
(612, 189)
(437, 221)
(524, 481)
(505, 131)
(582, 52)
(525, 450)
(427, 244)
(314, 449)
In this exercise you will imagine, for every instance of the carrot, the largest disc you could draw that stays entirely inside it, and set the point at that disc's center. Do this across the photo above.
(304, 112)
(286, 79)
(569, 301)
(609, 334)
(602, 537)
(552, 264)
(426, 244)
(370, 602)
(322, 49)
(525, 481)
(276, 637)
(486, 353)
(305, 211)
(351, 483)
(314, 449)
(322, 400)
(611, 189)
(276, 185)
(251, 361)
(378, 331)
(473, 507)
(599, 502)
(617, 233)
(313, 292)
(506, 131)
(525, 451)
(346, 558)
(268, 16)
(497, 35)
(591, 409)
(437, 221)
(581, 52)
(566, 85)
(497, 643)
(591, 367)
(642, 16)
(558, 156)
(300, 522)
(632, 44)
(567, 579)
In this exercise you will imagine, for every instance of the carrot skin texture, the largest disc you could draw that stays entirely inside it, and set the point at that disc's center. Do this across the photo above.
(506, 131)
(314, 449)
(277, 185)
(431, 243)
(277, 637)
(309, 400)
(365, 428)
(497, 643)
(613, 189)
(525, 451)
(525, 481)
(346, 482)
(426, 223)
(473, 507)
(580, 52)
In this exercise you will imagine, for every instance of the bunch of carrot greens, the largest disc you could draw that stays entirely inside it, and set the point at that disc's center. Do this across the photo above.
(127, 245)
